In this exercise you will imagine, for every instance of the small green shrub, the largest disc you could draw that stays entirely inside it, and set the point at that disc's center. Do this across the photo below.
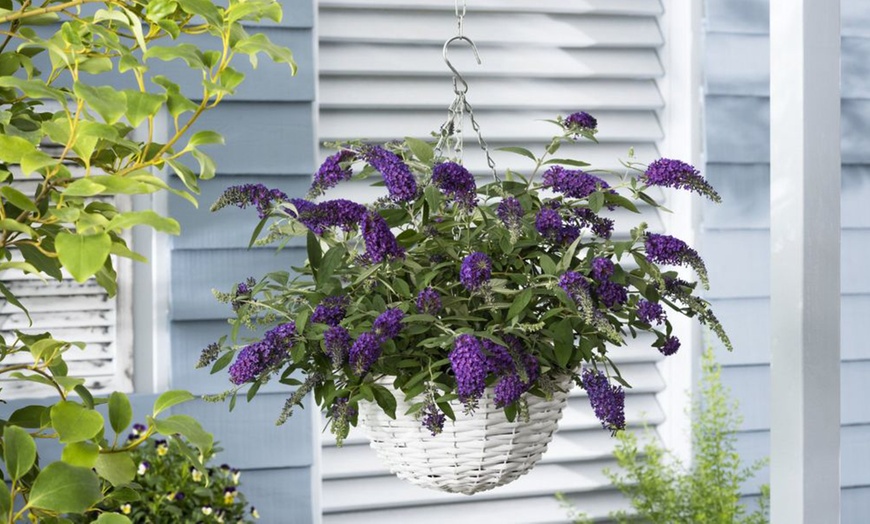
(168, 490)
(661, 489)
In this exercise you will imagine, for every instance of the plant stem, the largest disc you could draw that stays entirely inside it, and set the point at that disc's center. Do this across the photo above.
(17, 15)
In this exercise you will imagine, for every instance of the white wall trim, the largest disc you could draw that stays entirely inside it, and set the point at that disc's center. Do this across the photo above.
(681, 121)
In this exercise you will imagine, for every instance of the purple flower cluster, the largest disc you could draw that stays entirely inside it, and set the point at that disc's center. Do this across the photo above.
(433, 418)
(397, 175)
(381, 244)
(670, 346)
(511, 212)
(260, 356)
(498, 358)
(665, 172)
(246, 195)
(331, 310)
(331, 213)
(332, 172)
(603, 227)
(549, 224)
(650, 312)
(469, 366)
(429, 302)
(668, 250)
(611, 294)
(602, 268)
(574, 184)
(388, 325)
(475, 271)
(607, 401)
(575, 285)
(457, 183)
(500, 361)
(580, 121)
(364, 352)
(336, 344)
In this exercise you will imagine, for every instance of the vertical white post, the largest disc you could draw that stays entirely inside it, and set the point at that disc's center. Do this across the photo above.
(805, 260)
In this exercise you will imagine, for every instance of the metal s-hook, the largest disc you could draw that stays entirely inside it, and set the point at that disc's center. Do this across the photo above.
(457, 77)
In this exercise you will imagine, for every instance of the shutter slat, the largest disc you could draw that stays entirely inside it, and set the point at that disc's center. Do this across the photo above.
(625, 7)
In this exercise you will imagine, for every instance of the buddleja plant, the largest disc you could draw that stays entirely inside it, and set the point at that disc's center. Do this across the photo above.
(67, 144)
(442, 289)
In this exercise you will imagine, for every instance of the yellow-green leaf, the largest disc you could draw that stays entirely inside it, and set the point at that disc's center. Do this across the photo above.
(142, 105)
(117, 468)
(19, 451)
(64, 488)
(14, 148)
(107, 101)
(18, 199)
(83, 454)
(74, 422)
(82, 255)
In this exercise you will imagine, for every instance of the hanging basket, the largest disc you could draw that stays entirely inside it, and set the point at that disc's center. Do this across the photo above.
(475, 453)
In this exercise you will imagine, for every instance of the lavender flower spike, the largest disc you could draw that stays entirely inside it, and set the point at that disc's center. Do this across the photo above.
(457, 183)
(246, 195)
(469, 366)
(400, 181)
(364, 352)
(331, 172)
(665, 172)
(429, 302)
(388, 325)
(381, 245)
(580, 121)
(607, 401)
(668, 250)
(476, 270)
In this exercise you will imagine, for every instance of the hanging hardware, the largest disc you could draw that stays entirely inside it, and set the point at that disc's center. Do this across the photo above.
(457, 77)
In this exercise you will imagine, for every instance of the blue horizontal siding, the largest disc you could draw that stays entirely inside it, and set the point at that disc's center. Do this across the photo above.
(753, 16)
(281, 496)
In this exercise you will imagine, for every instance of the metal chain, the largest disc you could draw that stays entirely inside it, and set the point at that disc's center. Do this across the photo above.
(460, 14)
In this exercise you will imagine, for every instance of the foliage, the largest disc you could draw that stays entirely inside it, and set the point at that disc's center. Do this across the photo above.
(661, 489)
(167, 489)
(69, 143)
(479, 287)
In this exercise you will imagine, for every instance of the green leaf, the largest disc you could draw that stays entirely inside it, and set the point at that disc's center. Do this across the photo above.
(563, 335)
(34, 88)
(519, 151)
(567, 162)
(112, 518)
(19, 451)
(5, 502)
(120, 411)
(148, 218)
(596, 201)
(204, 137)
(331, 261)
(186, 175)
(204, 8)
(169, 399)
(82, 255)
(84, 187)
(17, 198)
(28, 416)
(82, 454)
(187, 427)
(254, 10)
(36, 160)
(105, 100)
(142, 105)
(65, 489)
(191, 55)
(117, 468)
(259, 43)
(520, 303)
(14, 300)
(315, 253)
(10, 224)
(385, 400)
(422, 150)
(74, 422)
(207, 166)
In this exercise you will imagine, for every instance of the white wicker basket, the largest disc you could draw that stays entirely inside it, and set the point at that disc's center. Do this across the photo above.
(475, 453)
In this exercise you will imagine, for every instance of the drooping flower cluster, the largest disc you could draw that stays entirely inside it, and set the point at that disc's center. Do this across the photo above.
(510, 211)
(457, 184)
(341, 414)
(580, 121)
(432, 418)
(608, 401)
(668, 250)
(573, 183)
(365, 350)
(332, 172)
(388, 325)
(650, 312)
(429, 302)
(476, 270)
(670, 346)
(261, 356)
(401, 183)
(677, 174)
(381, 244)
(469, 366)
(336, 344)
(610, 293)
(517, 369)
(246, 195)
(320, 217)
(601, 226)
(576, 286)
(331, 310)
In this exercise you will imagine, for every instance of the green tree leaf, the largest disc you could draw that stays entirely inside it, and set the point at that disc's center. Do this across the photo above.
(5, 502)
(83, 454)
(169, 399)
(117, 468)
(65, 489)
(36, 160)
(17, 198)
(19, 451)
(112, 518)
(120, 411)
(259, 43)
(105, 100)
(28, 416)
(84, 187)
(205, 137)
(74, 422)
(207, 166)
(33, 88)
(187, 427)
(519, 151)
(82, 255)
(142, 105)
(204, 8)
(520, 303)
(147, 218)
(421, 149)
(191, 55)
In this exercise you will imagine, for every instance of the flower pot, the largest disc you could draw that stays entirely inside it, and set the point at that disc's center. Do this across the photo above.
(474, 453)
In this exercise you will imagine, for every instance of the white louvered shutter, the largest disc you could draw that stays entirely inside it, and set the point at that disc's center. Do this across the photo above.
(382, 77)
(75, 313)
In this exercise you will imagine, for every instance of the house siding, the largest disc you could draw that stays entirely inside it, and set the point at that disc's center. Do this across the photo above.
(735, 236)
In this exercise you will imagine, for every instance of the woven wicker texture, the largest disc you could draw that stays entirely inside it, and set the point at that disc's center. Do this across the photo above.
(475, 453)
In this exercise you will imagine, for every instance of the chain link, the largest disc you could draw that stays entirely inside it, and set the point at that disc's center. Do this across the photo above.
(460, 14)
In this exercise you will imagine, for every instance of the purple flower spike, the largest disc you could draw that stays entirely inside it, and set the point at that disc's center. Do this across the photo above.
(548, 222)
(602, 268)
(475, 271)
(580, 121)
(607, 401)
(457, 183)
(574, 285)
(511, 212)
(469, 366)
(246, 195)
(603, 227)
(381, 244)
(388, 325)
(331, 172)
(261, 356)
(611, 294)
(364, 352)
(668, 250)
(508, 390)
(429, 302)
(665, 172)
(331, 310)
(650, 312)
(336, 343)
(433, 419)
(574, 184)
(400, 181)
(671, 345)
(331, 213)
